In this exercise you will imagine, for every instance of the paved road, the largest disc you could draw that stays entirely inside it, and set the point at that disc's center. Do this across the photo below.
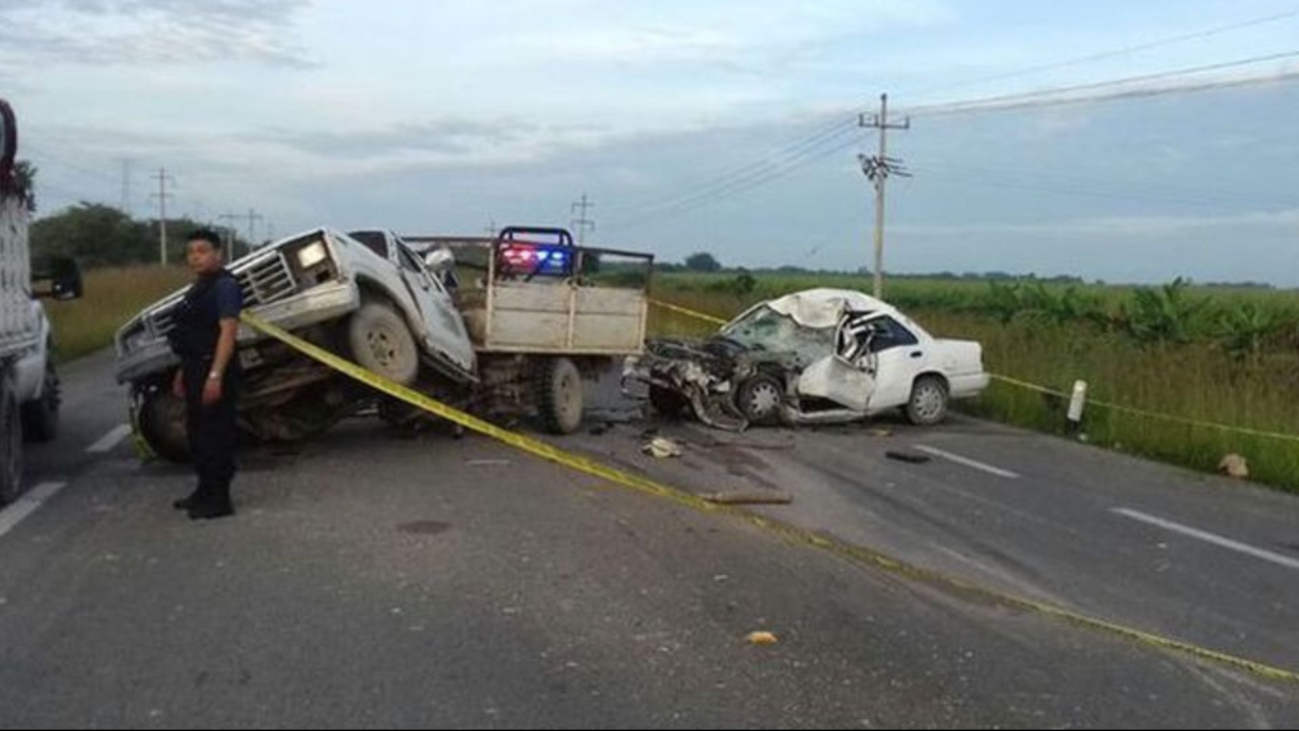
(372, 580)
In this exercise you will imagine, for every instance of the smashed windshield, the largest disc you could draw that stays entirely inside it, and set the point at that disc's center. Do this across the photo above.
(765, 329)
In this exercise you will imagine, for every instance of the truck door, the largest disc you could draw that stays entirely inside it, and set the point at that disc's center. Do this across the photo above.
(444, 328)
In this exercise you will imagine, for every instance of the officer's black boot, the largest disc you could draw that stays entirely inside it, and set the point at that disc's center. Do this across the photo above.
(189, 502)
(213, 505)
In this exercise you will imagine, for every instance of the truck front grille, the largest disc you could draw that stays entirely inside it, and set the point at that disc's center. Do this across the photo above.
(267, 282)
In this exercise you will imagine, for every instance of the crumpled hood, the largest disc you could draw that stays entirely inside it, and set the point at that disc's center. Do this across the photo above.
(825, 308)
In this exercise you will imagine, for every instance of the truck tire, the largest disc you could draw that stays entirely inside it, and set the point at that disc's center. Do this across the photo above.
(380, 341)
(41, 417)
(929, 402)
(163, 425)
(560, 401)
(11, 442)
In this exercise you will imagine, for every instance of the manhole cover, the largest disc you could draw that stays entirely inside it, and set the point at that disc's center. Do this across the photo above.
(424, 528)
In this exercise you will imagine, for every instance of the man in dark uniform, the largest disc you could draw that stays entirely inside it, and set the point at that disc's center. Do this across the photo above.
(207, 325)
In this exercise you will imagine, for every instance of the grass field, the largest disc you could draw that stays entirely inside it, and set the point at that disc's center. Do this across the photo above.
(1185, 362)
(113, 296)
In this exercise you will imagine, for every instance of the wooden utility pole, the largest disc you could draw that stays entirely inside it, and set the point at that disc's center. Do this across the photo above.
(879, 169)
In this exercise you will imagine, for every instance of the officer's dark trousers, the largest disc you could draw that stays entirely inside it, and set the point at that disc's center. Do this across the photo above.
(213, 433)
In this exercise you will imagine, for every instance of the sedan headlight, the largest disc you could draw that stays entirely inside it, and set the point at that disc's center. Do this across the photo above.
(310, 256)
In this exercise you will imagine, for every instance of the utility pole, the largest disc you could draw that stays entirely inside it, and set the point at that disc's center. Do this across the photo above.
(491, 229)
(879, 169)
(582, 223)
(229, 219)
(253, 218)
(162, 195)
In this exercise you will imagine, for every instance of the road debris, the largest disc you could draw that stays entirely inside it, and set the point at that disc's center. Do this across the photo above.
(749, 498)
(663, 448)
(909, 457)
(762, 639)
(1234, 466)
(880, 433)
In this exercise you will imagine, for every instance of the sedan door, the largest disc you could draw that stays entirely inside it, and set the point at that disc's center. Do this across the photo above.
(897, 356)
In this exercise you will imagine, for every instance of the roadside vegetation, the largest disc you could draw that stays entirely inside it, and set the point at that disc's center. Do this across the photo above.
(1213, 354)
(113, 296)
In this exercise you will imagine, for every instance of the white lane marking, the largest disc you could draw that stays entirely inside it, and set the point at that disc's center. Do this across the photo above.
(968, 462)
(1207, 537)
(29, 503)
(110, 440)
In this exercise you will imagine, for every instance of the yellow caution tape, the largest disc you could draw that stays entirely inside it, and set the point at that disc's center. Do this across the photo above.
(688, 312)
(1060, 394)
(1150, 414)
(790, 533)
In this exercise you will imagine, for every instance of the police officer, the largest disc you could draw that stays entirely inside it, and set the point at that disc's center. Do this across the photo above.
(207, 324)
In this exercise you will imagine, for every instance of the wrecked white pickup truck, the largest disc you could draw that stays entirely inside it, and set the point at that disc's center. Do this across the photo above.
(818, 357)
(373, 301)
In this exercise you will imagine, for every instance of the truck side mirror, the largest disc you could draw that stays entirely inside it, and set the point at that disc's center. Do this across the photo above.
(440, 261)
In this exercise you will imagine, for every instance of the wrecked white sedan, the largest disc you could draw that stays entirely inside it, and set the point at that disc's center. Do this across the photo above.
(818, 357)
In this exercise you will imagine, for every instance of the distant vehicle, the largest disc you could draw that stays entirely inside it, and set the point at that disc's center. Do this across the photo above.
(817, 357)
(373, 301)
(29, 381)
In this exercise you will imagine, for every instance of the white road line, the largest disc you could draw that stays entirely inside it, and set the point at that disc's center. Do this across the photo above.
(1216, 540)
(110, 440)
(967, 462)
(29, 503)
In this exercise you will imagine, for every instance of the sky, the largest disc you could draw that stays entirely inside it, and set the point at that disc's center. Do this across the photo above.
(693, 126)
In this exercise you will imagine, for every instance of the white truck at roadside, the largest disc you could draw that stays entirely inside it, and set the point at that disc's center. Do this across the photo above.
(29, 383)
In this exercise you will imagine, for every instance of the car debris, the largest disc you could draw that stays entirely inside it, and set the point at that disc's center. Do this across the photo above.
(748, 498)
(663, 448)
(818, 357)
(909, 457)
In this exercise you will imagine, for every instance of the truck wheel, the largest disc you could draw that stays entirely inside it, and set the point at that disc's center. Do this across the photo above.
(760, 399)
(41, 417)
(381, 342)
(11, 442)
(560, 401)
(667, 403)
(929, 401)
(163, 425)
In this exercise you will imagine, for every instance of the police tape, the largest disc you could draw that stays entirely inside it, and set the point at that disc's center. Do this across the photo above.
(688, 312)
(1143, 413)
(1097, 403)
(793, 535)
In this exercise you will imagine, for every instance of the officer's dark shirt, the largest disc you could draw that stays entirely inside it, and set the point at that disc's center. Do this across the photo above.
(198, 318)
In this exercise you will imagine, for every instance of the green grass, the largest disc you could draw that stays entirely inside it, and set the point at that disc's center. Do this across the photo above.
(113, 296)
(1201, 379)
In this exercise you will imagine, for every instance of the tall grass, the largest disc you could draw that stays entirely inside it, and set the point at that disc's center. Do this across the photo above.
(1203, 380)
(112, 297)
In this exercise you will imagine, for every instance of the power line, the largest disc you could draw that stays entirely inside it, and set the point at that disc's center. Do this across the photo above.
(1120, 52)
(808, 145)
(1048, 97)
(1101, 91)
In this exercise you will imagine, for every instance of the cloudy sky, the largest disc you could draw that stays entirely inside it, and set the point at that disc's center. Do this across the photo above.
(720, 126)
